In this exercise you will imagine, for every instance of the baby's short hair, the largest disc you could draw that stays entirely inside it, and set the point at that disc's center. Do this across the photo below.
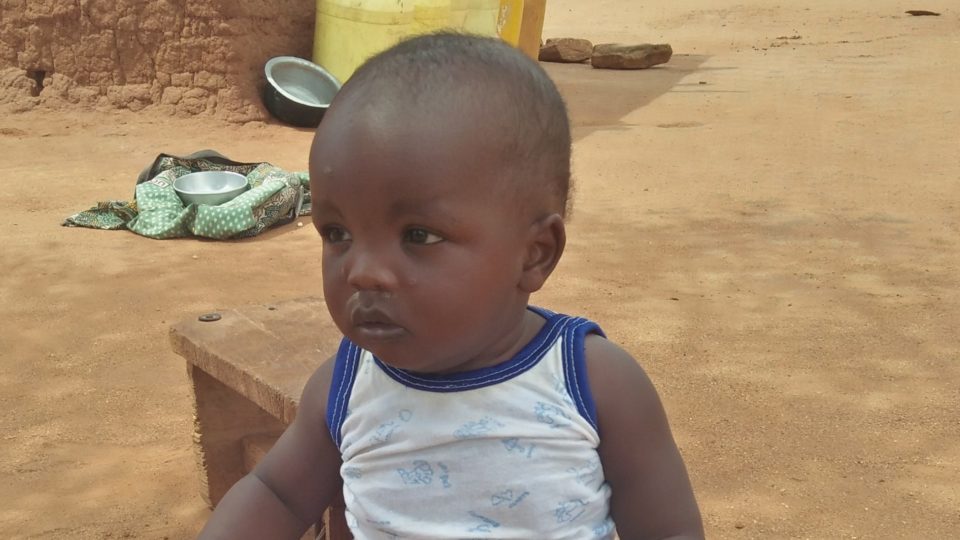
(524, 115)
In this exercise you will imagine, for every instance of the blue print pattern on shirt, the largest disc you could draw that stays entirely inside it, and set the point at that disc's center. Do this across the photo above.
(587, 474)
(385, 431)
(486, 524)
(551, 415)
(444, 475)
(381, 527)
(570, 510)
(353, 473)
(508, 498)
(421, 474)
(477, 428)
(604, 530)
(514, 446)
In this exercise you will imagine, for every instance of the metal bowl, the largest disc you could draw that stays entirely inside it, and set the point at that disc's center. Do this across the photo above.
(298, 91)
(210, 187)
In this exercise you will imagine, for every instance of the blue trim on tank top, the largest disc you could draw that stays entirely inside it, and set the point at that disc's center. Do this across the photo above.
(341, 387)
(575, 367)
(525, 359)
(573, 329)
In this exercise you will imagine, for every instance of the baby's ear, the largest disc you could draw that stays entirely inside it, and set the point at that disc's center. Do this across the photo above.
(545, 242)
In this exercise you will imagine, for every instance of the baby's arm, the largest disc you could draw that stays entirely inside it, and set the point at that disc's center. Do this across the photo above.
(651, 493)
(289, 489)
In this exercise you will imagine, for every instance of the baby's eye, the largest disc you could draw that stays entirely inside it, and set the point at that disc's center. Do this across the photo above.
(335, 234)
(421, 236)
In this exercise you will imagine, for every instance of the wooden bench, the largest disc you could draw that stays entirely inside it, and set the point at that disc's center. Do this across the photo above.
(248, 368)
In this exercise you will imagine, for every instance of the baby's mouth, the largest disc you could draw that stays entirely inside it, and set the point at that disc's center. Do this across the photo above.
(374, 323)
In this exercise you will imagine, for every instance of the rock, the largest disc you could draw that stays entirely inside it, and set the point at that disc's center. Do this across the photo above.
(57, 84)
(616, 56)
(84, 95)
(194, 101)
(16, 84)
(210, 81)
(56, 90)
(182, 79)
(172, 95)
(568, 50)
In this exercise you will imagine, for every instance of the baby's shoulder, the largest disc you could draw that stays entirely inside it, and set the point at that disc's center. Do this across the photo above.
(616, 378)
(600, 350)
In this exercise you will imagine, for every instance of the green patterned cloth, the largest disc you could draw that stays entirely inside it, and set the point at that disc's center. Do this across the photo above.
(106, 215)
(274, 196)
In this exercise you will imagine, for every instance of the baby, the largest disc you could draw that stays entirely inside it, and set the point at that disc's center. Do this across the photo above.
(453, 409)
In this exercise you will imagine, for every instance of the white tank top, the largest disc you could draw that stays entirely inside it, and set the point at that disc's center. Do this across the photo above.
(508, 451)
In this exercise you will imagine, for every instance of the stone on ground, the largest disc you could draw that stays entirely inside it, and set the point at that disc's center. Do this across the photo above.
(567, 50)
(616, 56)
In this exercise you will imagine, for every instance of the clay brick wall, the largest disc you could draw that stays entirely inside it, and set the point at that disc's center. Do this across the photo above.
(186, 57)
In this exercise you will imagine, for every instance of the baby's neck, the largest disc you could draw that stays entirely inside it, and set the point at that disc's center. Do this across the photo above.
(506, 348)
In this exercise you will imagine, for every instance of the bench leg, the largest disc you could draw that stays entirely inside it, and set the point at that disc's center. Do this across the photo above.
(222, 419)
(335, 524)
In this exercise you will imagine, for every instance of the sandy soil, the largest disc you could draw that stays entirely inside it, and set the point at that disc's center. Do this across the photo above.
(769, 223)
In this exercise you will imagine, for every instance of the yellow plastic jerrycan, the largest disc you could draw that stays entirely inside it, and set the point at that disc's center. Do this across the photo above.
(475, 16)
(350, 31)
(432, 15)
(520, 23)
(508, 21)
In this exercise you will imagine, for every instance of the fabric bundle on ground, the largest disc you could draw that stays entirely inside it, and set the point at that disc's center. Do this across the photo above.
(275, 196)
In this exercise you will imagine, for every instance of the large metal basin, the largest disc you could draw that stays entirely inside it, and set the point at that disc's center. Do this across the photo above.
(298, 91)
(210, 187)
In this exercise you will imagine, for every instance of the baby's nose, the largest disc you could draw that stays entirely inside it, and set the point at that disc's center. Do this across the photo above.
(369, 271)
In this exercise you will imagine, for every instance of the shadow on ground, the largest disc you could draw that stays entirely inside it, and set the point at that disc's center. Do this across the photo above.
(597, 98)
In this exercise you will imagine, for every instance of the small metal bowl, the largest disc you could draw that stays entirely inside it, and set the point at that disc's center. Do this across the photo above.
(298, 91)
(210, 187)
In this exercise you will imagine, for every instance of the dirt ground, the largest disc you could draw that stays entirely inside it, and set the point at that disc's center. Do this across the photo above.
(770, 224)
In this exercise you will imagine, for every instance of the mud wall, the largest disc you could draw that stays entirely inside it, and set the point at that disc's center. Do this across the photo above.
(187, 57)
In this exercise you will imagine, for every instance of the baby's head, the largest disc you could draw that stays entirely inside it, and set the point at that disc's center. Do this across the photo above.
(494, 100)
(439, 180)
